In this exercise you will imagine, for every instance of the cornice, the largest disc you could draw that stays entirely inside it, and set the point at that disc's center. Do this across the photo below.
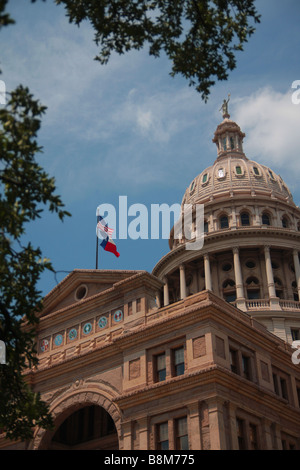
(212, 374)
(273, 236)
(204, 307)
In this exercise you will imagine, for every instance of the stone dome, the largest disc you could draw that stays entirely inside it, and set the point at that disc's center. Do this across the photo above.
(233, 173)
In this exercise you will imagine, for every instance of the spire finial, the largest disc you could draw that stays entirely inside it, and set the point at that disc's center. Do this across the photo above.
(224, 108)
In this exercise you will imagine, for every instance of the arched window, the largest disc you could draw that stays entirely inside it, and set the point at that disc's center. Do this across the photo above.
(265, 219)
(228, 283)
(245, 219)
(229, 291)
(285, 222)
(295, 291)
(224, 221)
(278, 287)
(253, 289)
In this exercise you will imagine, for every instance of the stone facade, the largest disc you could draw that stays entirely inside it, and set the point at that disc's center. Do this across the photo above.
(196, 355)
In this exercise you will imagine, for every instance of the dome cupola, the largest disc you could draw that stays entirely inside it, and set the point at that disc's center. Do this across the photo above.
(228, 135)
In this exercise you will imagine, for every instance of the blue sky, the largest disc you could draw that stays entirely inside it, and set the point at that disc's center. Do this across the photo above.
(128, 128)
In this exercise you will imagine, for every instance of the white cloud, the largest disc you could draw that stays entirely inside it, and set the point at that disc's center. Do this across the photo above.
(271, 123)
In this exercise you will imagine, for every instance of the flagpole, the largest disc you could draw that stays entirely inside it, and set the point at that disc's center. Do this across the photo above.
(97, 251)
(97, 243)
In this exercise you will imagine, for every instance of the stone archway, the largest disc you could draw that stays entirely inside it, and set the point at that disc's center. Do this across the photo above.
(70, 404)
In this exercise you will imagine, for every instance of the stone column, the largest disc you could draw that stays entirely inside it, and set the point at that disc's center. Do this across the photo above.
(240, 296)
(127, 435)
(274, 301)
(182, 282)
(194, 427)
(166, 292)
(266, 443)
(233, 217)
(216, 425)
(143, 434)
(256, 218)
(297, 270)
(157, 298)
(208, 283)
(233, 428)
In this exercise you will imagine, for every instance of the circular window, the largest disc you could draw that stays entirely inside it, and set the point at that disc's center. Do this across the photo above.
(87, 328)
(81, 292)
(58, 340)
(72, 334)
(250, 264)
(44, 345)
(118, 316)
(227, 267)
(102, 322)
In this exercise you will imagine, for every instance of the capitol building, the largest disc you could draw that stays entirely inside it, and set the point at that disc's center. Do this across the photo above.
(197, 354)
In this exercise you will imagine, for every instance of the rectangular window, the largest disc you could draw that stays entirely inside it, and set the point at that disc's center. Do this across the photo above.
(295, 334)
(178, 361)
(138, 305)
(162, 436)
(182, 440)
(246, 366)
(275, 382)
(240, 433)
(283, 386)
(161, 367)
(234, 361)
(129, 308)
(253, 436)
(298, 395)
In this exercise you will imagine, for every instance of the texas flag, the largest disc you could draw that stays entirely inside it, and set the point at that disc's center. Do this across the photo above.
(103, 233)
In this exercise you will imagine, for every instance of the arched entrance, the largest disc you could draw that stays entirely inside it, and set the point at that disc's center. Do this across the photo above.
(83, 419)
(88, 428)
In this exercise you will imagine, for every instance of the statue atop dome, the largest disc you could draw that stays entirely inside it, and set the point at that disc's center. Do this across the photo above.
(224, 107)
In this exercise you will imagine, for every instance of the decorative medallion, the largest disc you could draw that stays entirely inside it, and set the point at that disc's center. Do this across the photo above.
(102, 322)
(58, 340)
(118, 316)
(72, 334)
(87, 328)
(44, 345)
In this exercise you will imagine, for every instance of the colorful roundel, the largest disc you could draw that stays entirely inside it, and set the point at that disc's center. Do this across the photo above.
(118, 316)
(44, 345)
(72, 334)
(102, 322)
(87, 328)
(58, 340)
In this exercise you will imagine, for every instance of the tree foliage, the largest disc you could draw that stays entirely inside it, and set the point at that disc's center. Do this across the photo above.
(24, 189)
(200, 37)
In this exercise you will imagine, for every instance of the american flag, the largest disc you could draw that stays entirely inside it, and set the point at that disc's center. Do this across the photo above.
(105, 228)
